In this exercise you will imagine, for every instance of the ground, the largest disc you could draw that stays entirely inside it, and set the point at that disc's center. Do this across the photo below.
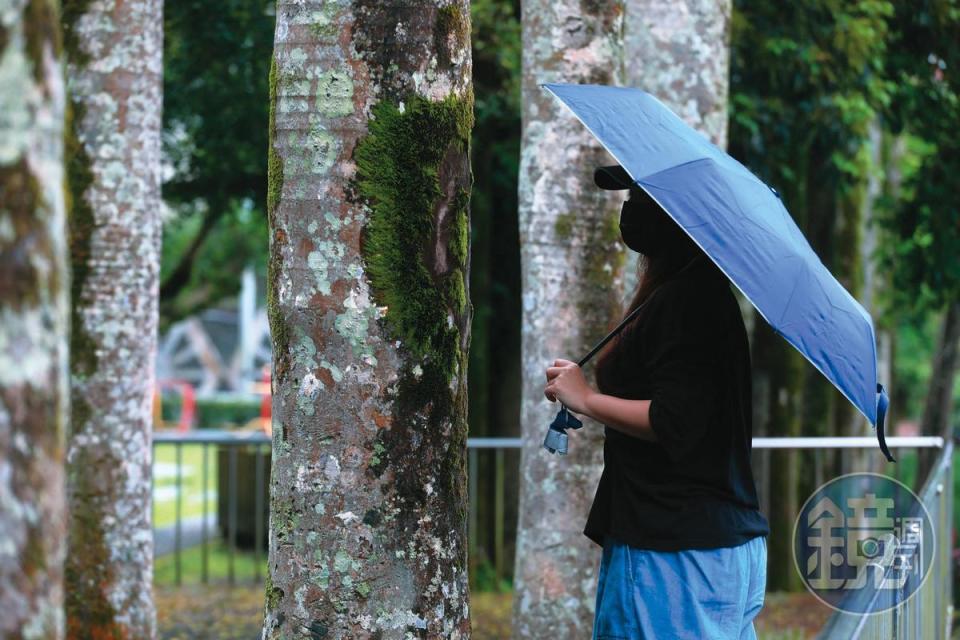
(194, 612)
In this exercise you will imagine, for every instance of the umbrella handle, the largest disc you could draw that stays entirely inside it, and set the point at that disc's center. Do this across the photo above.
(882, 405)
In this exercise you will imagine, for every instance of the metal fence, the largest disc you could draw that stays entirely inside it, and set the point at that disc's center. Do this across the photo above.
(928, 612)
(926, 615)
(240, 494)
(225, 520)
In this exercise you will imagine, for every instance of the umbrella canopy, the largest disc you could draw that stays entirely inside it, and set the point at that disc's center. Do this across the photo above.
(741, 223)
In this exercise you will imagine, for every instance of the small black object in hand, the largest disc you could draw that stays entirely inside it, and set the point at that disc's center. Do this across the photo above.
(556, 440)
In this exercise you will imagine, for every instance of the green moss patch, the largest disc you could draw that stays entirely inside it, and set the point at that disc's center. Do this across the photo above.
(451, 26)
(81, 223)
(279, 331)
(413, 171)
(399, 172)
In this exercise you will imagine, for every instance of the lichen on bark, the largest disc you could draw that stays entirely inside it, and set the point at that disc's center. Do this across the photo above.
(114, 76)
(34, 397)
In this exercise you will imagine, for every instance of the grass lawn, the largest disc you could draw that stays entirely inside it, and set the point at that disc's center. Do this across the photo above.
(165, 482)
(218, 565)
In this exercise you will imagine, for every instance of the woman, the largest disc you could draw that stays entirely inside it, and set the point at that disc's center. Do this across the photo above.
(676, 510)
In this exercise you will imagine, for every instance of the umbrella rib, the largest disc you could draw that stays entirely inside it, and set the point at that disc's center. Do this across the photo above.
(796, 283)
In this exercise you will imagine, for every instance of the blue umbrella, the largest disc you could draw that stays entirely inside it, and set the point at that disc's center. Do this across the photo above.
(741, 223)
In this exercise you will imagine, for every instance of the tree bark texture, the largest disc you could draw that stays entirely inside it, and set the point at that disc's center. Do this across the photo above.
(368, 297)
(680, 52)
(34, 281)
(114, 52)
(572, 283)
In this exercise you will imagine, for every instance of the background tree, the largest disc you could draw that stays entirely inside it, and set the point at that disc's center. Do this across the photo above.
(925, 223)
(33, 322)
(805, 82)
(572, 266)
(368, 197)
(685, 48)
(215, 113)
(114, 54)
(495, 271)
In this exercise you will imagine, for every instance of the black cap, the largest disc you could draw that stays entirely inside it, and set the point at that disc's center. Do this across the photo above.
(613, 177)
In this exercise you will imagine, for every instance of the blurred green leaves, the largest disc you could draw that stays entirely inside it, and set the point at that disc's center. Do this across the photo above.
(215, 113)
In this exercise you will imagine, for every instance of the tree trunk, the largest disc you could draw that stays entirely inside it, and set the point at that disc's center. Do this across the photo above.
(680, 52)
(939, 401)
(34, 278)
(571, 270)
(778, 368)
(115, 56)
(851, 422)
(368, 296)
(685, 49)
(823, 225)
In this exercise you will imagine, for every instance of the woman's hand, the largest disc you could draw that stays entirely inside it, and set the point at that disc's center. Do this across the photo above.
(566, 383)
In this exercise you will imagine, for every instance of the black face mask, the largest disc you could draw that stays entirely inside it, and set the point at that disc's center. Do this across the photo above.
(644, 226)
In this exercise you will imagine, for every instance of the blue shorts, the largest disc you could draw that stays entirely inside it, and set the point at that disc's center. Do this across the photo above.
(695, 593)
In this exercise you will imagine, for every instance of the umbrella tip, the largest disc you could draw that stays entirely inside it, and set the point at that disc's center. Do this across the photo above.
(882, 403)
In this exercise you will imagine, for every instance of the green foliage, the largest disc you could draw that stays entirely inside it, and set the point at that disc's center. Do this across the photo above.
(915, 343)
(215, 112)
(495, 251)
(212, 413)
(239, 239)
(925, 223)
(804, 86)
(483, 579)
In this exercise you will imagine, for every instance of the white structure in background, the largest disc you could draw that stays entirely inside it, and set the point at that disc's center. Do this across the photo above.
(220, 350)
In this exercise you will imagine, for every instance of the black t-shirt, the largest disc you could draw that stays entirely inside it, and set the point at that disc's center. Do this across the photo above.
(693, 488)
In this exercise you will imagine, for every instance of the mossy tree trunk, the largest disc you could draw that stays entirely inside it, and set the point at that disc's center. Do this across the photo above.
(368, 296)
(571, 269)
(114, 52)
(34, 281)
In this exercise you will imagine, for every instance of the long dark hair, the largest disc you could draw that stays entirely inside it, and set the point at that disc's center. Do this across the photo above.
(677, 252)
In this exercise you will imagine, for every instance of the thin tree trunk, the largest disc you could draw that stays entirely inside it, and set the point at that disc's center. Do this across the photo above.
(34, 284)
(780, 368)
(849, 421)
(939, 401)
(114, 51)
(368, 296)
(823, 223)
(571, 268)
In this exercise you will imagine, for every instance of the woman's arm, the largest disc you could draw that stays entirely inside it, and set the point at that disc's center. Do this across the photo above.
(565, 382)
(630, 417)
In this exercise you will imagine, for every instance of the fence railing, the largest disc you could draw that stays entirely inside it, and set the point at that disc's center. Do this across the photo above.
(928, 612)
(232, 525)
(243, 476)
